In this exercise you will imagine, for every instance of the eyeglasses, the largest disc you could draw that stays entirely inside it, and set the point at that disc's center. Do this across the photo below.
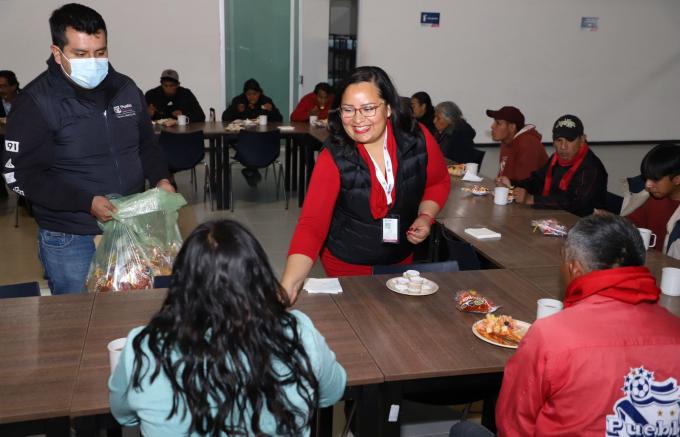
(366, 110)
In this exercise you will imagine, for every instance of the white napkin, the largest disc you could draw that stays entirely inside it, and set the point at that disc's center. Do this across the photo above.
(287, 128)
(472, 177)
(482, 233)
(326, 285)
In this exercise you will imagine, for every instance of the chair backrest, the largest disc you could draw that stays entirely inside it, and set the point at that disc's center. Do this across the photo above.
(438, 267)
(182, 151)
(258, 149)
(613, 203)
(478, 157)
(25, 289)
(161, 281)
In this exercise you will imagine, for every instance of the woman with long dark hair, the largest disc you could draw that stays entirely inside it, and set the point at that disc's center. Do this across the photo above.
(376, 188)
(223, 356)
(423, 111)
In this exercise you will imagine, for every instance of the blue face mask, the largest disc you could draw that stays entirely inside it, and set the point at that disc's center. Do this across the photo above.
(88, 72)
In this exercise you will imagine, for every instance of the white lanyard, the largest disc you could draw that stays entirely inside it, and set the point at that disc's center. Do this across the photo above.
(387, 185)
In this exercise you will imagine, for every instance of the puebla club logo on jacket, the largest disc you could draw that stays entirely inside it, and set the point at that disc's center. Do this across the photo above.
(649, 408)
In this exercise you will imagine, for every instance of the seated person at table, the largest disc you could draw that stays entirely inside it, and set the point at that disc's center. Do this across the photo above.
(454, 135)
(170, 100)
(315, 103)
(652, 201)
(423, 111)
(609, 360)
(9, 89)
(574, 179)
(251, 104)
(223, 355)
(521, 149)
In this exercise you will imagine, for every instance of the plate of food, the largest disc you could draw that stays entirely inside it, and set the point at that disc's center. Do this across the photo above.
(477, 190)
(412, 284)
(456, 169)
(501, 331)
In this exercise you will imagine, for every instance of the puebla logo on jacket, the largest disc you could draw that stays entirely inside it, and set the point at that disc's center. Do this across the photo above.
(649, 408)
(123, 111)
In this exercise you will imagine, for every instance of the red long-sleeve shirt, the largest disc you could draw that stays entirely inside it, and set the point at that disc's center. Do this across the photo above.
(324, 188)
(307, 103)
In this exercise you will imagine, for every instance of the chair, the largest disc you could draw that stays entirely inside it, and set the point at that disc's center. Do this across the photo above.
(25, 289)
(478, 157)
(258, 150)
(613, 203)
(161, 281)
(438, 267)
(183, 151)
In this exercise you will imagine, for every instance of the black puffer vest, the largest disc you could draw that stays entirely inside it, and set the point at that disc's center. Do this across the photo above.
(355, 236)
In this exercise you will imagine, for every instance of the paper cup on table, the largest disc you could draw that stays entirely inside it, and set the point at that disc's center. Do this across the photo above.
(648, 237)
(472, 168)
(500, 195)
(313, 119)
(262, 120)
(548, 307)
(115, 348)
(182, 120)
(670, 281)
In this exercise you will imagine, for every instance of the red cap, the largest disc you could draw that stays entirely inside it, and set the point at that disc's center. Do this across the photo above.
(509, 114)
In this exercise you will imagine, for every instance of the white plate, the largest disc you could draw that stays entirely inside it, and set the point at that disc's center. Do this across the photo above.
(391, 282)
(480, 193)
(523, 327)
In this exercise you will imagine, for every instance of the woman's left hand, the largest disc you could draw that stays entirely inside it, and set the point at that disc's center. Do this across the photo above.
(419, 230)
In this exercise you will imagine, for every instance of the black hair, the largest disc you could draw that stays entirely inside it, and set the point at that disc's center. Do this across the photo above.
(223, 335)
(605, 241)
(662, 160)
(400, 120)
(251, 84)
(423, 97)
(323, 86)
(77, 16)
(10, 77)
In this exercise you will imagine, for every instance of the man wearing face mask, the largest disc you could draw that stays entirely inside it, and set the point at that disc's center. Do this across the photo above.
(79, 132)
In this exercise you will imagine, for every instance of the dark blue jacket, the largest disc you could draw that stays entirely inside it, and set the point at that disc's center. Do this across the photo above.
(64, 145)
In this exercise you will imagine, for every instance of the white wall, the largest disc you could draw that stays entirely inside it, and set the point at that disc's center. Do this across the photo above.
(622, 80)
(313, 43)
(145, 37)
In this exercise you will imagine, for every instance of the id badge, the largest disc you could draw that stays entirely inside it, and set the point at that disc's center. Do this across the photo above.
(390, 227)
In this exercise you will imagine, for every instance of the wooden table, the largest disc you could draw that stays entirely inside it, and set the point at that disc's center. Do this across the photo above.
(518, 246)
(41, 341)
(114, 314)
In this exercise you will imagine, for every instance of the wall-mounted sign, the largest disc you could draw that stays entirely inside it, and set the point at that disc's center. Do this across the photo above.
(589, 23)
(429, 19)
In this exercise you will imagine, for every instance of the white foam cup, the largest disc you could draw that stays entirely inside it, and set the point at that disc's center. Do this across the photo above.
(670, 281)
(648, 237)
(500, 195)
(262, 120)
(313, 119)
(182, 120)
(548, 307)
(115, 348)
(472, 168)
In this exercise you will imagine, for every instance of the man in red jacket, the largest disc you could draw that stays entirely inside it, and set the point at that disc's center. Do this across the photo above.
(608, 364)
(315, 103)
(521, 149)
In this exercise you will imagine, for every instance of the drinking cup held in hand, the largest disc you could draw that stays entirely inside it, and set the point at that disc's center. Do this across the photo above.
(670, 281)
(313, 119)
(500, 195)
(472, 168)
(648, 237)
(115, 348)
(548, 307)
(182, 120)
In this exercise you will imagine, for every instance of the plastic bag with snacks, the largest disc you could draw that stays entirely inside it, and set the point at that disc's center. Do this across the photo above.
(139, 243)
(470, 301)
(550, 227)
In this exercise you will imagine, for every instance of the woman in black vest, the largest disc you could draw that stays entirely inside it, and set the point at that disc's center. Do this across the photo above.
(377, 186)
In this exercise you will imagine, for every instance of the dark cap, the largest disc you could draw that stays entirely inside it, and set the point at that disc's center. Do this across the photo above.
(509, 114)
(169, 75)
(567, 126)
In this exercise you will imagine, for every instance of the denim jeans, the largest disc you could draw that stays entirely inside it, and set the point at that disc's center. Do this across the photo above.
(66, 258)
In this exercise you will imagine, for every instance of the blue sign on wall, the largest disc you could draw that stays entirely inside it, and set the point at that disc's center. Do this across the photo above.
(430, 19)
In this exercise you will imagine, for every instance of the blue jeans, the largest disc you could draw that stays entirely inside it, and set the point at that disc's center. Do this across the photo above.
(66, 258)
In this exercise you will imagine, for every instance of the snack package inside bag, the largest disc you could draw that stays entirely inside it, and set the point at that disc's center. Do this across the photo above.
(470, 301)
(139, 243)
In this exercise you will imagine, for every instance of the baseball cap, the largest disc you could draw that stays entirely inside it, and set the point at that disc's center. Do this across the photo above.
(567, 126)
(170, 75)
(509, 114)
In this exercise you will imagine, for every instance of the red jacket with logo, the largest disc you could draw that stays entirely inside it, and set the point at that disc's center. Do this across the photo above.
(569, 373)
